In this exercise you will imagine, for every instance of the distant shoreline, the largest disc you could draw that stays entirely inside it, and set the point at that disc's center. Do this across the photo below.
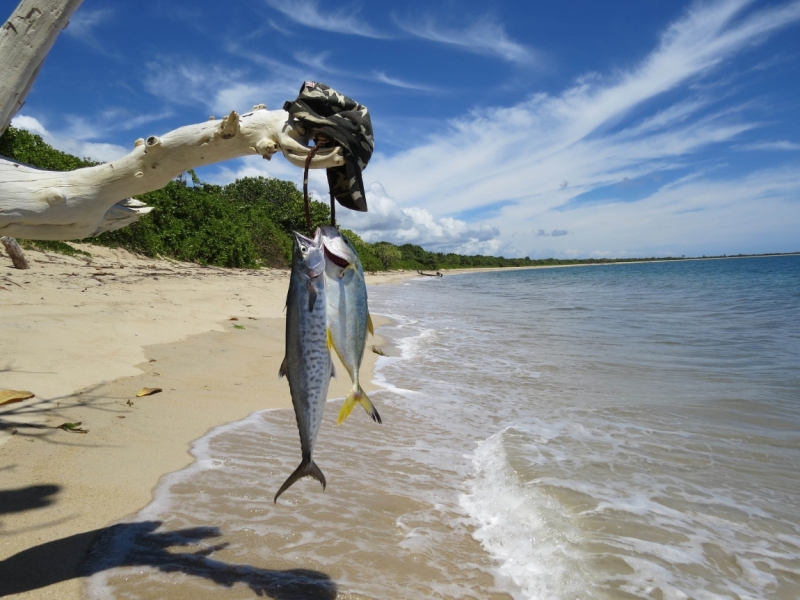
(445, 271)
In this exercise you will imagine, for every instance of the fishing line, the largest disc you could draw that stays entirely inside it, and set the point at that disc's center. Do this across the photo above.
(320, 141)
(305, 191)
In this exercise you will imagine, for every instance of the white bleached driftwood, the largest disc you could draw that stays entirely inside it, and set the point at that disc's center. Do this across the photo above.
(49, 205)
(15, 253)
(25, 39)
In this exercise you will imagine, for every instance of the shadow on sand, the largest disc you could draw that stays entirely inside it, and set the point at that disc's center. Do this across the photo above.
(27, 498)
(139, 545)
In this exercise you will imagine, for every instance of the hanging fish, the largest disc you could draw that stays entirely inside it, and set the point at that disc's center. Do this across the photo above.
(348, 314)
(307, 364)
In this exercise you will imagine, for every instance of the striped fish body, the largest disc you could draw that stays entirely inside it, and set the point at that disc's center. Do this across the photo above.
(347, 312)
(307, 364)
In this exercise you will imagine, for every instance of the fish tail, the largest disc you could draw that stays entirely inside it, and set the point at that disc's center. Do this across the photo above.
(307, 468)
(357, 395)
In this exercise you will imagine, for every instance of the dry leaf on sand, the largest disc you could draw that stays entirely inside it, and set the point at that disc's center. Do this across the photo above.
(11, 396)
(147, 392)
(377, 350)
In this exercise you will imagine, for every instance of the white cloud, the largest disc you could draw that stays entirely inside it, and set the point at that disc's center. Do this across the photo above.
(308, 13)
(220, 89)
(777, 145)
(386, 221)
(382, 77)
(66, 141)
(523, 154)
(255, 166)
(485, 36)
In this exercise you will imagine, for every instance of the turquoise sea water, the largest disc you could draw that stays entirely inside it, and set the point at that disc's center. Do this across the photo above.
(621, 431)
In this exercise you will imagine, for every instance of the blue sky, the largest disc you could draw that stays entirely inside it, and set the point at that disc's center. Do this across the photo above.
(569, 129)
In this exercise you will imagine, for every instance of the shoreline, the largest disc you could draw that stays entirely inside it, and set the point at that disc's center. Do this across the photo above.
(606, 264)
(61, 490)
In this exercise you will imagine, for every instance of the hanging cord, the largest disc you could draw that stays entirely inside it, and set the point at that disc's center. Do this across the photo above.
(320, 141)
(305, 191)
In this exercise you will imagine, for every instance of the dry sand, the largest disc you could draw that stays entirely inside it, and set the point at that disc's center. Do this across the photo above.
(84, 334)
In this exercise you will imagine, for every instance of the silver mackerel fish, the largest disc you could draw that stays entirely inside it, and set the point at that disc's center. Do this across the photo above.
(348, 314)
(307, 364)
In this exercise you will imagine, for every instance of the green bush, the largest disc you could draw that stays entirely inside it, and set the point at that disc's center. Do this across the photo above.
(369, 262)
(29, 148)
(191, 224)
(52, 246)
(387, 253)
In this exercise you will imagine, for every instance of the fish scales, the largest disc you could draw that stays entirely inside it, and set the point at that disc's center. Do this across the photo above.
(307, 364)
(348, 313)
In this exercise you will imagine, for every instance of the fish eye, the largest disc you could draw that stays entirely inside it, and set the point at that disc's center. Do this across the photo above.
(303, 248)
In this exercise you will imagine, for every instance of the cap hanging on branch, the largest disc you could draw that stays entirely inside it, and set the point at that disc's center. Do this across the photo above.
(325, 113)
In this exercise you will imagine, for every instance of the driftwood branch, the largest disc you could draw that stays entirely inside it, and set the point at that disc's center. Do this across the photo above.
(15, 252)
(25, 39)
(48, 205)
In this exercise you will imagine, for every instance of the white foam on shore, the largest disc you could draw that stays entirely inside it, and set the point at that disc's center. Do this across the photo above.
(528, 533)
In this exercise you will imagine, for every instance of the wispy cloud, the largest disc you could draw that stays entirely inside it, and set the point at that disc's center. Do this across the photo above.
(219, 88)
(320, 65)
(485, 36)
(585, 136)
(783, 145)
(83, 23)
(382, 77)
(308, 13)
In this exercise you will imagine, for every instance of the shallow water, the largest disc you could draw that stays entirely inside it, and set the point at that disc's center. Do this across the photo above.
(625, 431)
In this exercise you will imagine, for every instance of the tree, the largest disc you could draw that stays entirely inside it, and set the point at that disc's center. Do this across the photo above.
(44, 205)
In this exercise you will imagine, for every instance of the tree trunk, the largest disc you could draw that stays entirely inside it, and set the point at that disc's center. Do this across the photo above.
(15, 252)
(25, 40)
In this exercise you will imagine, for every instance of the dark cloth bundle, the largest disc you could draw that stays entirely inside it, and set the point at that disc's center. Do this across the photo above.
(321, 109)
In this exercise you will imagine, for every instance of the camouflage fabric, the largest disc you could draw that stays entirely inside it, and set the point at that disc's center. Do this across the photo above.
(321, 109)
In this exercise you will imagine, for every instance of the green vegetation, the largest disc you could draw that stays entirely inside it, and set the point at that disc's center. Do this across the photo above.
(52, 246)
(245, 224)
(28, 148)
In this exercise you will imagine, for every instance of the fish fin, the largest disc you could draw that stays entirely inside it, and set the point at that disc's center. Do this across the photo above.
(312, 296)
(357, 395)
(282, 370)
(359, 274)
(370, 328)
(330, 338)
(333, 369)
(307, 468)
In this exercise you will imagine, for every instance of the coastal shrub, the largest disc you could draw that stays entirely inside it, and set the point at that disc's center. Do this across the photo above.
(369, 262)
(190, 223)
(28, 148)
(52, 246)
(279, 201)
(387, 253)
(273, 209)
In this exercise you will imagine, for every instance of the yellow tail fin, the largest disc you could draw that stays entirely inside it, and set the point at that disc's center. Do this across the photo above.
(357, 395)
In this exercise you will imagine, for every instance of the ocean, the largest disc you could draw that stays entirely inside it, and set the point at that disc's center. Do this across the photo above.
(617, 431)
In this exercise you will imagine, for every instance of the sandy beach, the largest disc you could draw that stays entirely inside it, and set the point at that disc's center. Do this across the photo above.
(84, 334)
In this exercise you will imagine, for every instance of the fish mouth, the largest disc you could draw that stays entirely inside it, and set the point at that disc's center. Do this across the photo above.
(335, 258)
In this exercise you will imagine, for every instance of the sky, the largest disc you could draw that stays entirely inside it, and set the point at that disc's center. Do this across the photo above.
(541, 129)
